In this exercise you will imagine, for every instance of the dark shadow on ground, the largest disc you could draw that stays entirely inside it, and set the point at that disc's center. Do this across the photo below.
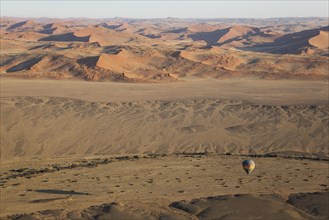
(60, 192)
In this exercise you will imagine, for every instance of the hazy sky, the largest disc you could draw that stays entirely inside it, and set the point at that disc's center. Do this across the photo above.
(161, 9)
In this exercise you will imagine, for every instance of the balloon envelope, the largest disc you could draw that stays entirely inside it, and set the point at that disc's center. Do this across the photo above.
(248, 165)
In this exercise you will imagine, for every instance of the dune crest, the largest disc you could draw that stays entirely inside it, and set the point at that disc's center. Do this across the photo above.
(202, 28)
(236, 31)
(321, 40)
(162, 50)
(212, 58)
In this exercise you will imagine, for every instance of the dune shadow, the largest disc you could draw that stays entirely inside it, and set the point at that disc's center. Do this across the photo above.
(24, 65)
(17, 25)
(152, 36)
(175, 31)
(88, 61)
(287, 44)
(47, 31)
(113, 27)
(211, 38)
(68, 37)
(314, 203)
(115, 49)
(60, 192)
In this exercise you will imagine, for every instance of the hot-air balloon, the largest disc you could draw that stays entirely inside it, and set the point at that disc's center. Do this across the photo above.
(248, 165)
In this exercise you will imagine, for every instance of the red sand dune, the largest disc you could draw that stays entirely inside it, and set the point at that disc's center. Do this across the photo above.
(203, 28)
(213, 58)
(237, 31)
(107, 37)
(124, 61)
(147, 49)
(88, 31)
(321, 40)
(226, 35)
(118, 26)
(68, 37)
(23, 25)
(135, 64)
(25, 36)
(55, 28)
(300, 42)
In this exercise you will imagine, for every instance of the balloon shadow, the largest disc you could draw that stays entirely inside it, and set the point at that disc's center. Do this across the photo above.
(60, 192)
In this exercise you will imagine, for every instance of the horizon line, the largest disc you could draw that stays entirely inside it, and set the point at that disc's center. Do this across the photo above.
(94, 18)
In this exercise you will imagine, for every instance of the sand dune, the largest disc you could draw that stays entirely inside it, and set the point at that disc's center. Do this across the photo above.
(149, 64)
(146, 63)
(216, 207)
(298, 42)
(72, 149)
(219, 126)
(129, 118)
(320, 41)
(68, 37)
(237, 31)
(233, 36)
(57, 65)
(55, 28)
(158, 51)
(24, 25)
(227, 61)
(24, 65)
(203, 28)
(88, 31)
(118, 26)
(136, 64)
(253, 207)
(10, 46)
(25, 36)
(106, 37)
(209, 37)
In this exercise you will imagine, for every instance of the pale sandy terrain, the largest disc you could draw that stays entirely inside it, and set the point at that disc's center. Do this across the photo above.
(165, 187)
(57, 138)
(49, 119)
(150, 119)
(266, 92)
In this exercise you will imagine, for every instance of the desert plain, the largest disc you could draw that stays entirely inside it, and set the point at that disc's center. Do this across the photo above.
(151, 119)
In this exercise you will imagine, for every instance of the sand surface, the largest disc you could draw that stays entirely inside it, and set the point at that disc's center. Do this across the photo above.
(174, 117)
(165, 187)
(267, 92)
(151, 118)
(161, 50)
(59, 138)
